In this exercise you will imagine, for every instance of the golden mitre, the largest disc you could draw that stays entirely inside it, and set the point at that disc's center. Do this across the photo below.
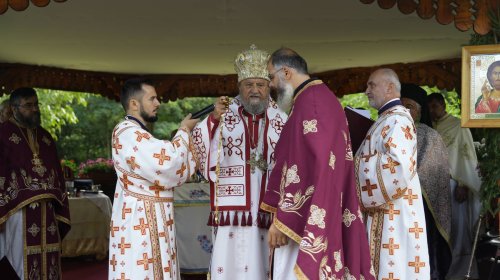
(252, 63)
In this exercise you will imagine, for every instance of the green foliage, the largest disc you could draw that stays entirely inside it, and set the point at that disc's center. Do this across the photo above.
(358, 100)
(488, 155)
(91, 137)
(56, 109)
(172, 113)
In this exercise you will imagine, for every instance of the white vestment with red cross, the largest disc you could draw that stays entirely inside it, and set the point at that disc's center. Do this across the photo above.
(240, 249)
(142, 232)
(388, 183)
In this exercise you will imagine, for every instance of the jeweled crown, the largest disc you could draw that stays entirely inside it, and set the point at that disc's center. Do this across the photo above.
(252, 63)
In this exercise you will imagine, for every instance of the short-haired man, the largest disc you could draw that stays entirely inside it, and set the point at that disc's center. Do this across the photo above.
(34, 212)
(389, 186)
(317, 230)
(142, 239)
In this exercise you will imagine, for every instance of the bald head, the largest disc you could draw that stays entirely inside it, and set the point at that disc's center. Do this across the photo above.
(382, 86)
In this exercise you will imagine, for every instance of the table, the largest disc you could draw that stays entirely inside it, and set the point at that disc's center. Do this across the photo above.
(89, 235)
(194, 239)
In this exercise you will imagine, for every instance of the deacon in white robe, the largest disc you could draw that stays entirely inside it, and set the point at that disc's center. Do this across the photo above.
(389, 187)
(142, 231)
(250, 130)
(464, 185)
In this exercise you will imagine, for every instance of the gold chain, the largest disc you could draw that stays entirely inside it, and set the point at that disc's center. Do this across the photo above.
(32, 142)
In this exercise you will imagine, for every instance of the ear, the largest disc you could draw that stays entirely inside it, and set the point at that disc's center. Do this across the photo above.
(134, 104)
(287, 73)
(390, 88)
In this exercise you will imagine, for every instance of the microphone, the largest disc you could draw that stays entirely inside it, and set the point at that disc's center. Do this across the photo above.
(203, 111)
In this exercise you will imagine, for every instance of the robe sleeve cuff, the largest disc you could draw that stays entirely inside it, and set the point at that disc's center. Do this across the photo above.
(268, 208)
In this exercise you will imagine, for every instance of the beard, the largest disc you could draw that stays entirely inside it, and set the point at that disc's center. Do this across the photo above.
(30, 121)
(254, 108)
(285, 96)
(147, 118)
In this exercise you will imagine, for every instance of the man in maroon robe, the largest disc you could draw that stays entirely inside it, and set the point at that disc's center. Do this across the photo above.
(34, 213)
(312, 191)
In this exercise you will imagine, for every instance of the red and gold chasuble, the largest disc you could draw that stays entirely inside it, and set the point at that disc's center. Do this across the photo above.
(142, 230)
(248, 150)
(240, 248)
(31, 181)
(388, 183)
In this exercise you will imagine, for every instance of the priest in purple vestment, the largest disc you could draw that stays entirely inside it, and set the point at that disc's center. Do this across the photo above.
(34, 212)
(317, 230)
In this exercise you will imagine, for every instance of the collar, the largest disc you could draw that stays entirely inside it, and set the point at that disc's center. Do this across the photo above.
(257, 116)
(129, 117)
(391, 103)
(301, 86)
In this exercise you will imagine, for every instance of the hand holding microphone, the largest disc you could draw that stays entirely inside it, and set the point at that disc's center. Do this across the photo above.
(221, 106)
(218, 108)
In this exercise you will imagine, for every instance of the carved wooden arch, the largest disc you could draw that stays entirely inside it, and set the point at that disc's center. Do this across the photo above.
(465, 13)
(445, 74)
(21, 5)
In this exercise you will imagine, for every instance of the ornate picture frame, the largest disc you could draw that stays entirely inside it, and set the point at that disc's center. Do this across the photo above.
(481, 86)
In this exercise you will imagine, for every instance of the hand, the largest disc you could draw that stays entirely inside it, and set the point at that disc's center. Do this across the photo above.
(276, 237)
(461, 193)
(485, 90)
(220, 107)
(189, 123)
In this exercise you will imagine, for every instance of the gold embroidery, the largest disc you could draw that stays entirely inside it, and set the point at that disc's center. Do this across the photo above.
(348, 217)
(325, 271)
(292, 176)
(52, 229)
(348, 275)
(34, 230)
(14, 138)
(331, 162)
(348, 152)
(312, 245)
(338, 261)
(317, 216)
(310, 126)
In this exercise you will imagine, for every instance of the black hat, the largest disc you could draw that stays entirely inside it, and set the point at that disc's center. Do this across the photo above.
(419, 95)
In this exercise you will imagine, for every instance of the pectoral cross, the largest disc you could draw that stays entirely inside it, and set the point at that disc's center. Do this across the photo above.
(260, 163)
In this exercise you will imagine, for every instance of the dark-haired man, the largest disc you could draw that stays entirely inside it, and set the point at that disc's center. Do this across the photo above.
(317, 231)
(34, 213)
(142, 232)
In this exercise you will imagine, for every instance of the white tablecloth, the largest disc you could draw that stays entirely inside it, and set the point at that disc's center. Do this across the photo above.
(89, 235)
(194, 240)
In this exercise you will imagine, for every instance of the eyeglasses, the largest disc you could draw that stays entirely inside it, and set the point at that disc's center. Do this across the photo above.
(29, 106)
(271, 76)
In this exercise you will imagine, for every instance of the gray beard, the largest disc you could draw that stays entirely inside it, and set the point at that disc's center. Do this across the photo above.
(285, 97)
(255, 109)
